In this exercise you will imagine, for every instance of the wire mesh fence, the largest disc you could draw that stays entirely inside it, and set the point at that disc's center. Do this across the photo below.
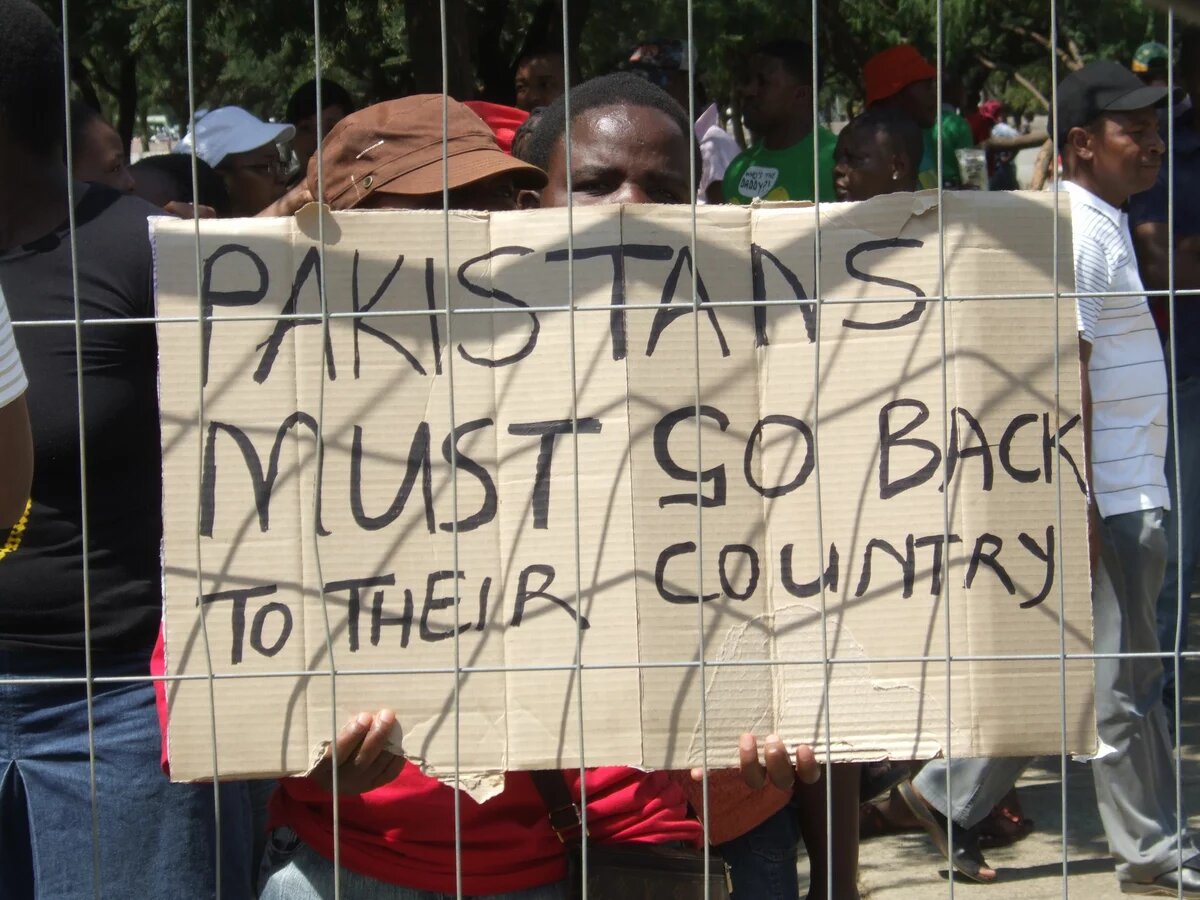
(332, 679)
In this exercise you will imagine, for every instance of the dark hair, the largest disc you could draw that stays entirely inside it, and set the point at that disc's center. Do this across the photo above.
(1189, 51)
(81, 116)
(523, 136)
(795, 56)
(31, 78)
(901, 130)
(177, 168)
(536, 51)
(617, 89)
(303, 102)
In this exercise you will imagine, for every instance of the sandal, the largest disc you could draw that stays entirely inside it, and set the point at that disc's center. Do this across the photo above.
(1005, 824)
(874, 821)
(967, 858)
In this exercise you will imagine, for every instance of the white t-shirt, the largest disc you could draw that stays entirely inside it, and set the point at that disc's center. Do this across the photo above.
(717, 150)
(1127, 374)
(12, 373)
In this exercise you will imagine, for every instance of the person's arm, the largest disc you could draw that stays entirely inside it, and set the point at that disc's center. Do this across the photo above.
(1150, 241)
(16, 439)
(16, 461)
(1085, 412)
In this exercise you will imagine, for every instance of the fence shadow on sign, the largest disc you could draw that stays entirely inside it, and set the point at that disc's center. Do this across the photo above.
(420, 494)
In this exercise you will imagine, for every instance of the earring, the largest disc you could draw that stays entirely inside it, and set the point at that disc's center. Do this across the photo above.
(895, 176)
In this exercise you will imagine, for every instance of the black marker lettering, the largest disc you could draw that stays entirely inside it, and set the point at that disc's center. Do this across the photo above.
(237, 624)
(487, 511)
(260, 619)
(662, 453)
(937, 542)
(759, 286)
(888, 439)
(270, 347)
(548, 431)
(806, 466)
(723, 568)
(497, 294)
(808, 588)
(525, 594)
(435, 604)
(404, 620)
(956, 451)
(978, 557)
(211, 298)
(1024, 476)
(354, 587)
(909, 317)
(617, 253)
(669, 311)
(418, 460)
(1046, 556)
(263, 484)
(908, 564)
(660, 574)
(360, 326)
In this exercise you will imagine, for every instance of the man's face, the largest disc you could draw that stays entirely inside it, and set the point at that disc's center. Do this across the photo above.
(304, 145)
(255, 179)
(539, 81)
(770, 94)
(495, 194)
(1125, 151)
(863, 165)
(621, 154)
(919, 102)
(101, 159)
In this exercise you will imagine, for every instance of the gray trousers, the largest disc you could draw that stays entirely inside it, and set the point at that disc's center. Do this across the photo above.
(1135, 780)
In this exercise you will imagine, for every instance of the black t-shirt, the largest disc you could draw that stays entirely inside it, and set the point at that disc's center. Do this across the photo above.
(41, 585)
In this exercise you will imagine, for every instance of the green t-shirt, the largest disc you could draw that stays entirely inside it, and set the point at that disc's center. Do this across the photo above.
(956, 134)
(781, 174)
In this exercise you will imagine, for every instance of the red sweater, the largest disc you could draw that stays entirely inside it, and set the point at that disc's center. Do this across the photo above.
(403, 833)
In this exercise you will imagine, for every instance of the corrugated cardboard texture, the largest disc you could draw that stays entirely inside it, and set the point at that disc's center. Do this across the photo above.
(819, 442)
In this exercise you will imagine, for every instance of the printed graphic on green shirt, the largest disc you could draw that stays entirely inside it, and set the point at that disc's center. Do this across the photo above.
(785, 174)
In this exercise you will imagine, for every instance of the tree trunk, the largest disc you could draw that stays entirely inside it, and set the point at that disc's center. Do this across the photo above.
(127, 98)
(495, 70)
(424, 28)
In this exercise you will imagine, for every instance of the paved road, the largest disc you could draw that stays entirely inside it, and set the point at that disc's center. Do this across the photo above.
(906, 867)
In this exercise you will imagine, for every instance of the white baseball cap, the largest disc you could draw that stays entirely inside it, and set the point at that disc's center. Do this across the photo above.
(230, 129)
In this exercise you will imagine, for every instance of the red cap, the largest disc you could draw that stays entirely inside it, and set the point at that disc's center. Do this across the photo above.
(503, 120)
(991, 110)
(888, 73)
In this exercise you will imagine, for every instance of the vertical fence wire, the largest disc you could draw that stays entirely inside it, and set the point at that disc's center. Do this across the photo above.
(85, 566)
(318, 464)
(218, 863)
(449, 313)
(1064, 810)
(1177, 501)
(944, 598)
(827, 670)
(575, 509)
(453, 456)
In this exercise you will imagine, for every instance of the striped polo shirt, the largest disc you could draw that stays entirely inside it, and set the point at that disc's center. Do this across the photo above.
(1126, 372)
(12, 373)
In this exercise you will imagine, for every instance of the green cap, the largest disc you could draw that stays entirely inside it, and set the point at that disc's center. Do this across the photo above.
(1152, 55)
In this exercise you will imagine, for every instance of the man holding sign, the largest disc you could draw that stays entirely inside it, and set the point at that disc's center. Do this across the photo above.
(1107, 128)
(398, 825)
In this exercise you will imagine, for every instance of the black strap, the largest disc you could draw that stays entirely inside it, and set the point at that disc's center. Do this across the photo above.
(563, 812)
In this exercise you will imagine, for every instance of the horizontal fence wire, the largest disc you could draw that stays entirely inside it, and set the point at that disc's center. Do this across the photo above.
(338, 673)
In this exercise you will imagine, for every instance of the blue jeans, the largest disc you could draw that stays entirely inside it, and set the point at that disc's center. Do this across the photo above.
(1183, 533)
(762, 862)
(294, 871)
(156, 839)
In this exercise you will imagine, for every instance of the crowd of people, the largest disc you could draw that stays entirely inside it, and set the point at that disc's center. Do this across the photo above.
(80, 493)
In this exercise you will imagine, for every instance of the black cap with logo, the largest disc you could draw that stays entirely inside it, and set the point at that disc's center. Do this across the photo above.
(1098, 88)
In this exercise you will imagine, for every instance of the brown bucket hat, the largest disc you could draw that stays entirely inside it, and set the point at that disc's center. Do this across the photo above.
(396, 148)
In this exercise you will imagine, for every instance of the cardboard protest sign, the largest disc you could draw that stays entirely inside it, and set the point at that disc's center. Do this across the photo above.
(498, 516)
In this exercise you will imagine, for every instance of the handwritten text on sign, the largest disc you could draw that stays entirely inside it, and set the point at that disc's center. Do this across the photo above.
(499, 485)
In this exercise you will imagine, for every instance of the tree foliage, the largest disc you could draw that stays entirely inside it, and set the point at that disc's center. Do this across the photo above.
(130, 57)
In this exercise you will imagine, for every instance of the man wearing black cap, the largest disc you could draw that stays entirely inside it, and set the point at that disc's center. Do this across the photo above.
(1107, 131)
